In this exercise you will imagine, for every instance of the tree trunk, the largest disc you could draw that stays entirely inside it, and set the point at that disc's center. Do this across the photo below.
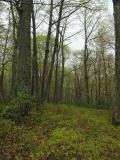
(96, 83)
(14, 57)
(63, 71)
(24, 57)
(86, 63)
(106, 77)
(44, 74)
(99, 80)
(56, 76)
(35, 77)
(54, 51)
(116, 112)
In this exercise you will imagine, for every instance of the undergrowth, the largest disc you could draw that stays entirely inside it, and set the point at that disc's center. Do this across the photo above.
(61, 132)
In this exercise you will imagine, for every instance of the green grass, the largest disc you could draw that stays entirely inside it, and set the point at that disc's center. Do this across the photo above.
(61, 133)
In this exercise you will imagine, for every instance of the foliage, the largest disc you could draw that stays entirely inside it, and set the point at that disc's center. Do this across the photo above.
(8, 112)
(61, 132)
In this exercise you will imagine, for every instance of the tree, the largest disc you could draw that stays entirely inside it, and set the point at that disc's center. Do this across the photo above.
(56, 45)
(44, 74)
(15, 54)
(24, 55)
(35, 76)
(116, 110)
(89, 27)
(3, 59)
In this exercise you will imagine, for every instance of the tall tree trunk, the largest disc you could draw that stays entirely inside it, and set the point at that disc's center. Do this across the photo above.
(63, 70)
(86, 63)
(96, 83)
(44, 74)
(56, 76)
(24, 63)
(14, 56)
(54, 51)
(116, 112)
(35, 77)
(86, 76)
(99, 80)
(77, 86)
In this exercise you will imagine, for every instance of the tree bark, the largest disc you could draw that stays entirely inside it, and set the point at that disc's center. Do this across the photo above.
(24, 56)
(35, 76)
(56, 89)
(116, 111)
(14, 56)
(63, 70)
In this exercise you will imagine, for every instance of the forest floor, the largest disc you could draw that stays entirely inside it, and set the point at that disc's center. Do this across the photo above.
(61, 132)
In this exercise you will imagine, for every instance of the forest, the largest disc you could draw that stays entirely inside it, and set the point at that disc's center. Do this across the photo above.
(59, 79)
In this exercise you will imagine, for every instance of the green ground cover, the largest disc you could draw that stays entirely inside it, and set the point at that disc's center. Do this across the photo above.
(61, 132)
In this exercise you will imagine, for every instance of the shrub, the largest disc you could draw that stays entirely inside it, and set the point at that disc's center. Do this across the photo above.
(8, 112)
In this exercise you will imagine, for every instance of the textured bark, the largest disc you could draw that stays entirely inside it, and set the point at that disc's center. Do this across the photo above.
(24, 56)
(35, 77)
(116, 112)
